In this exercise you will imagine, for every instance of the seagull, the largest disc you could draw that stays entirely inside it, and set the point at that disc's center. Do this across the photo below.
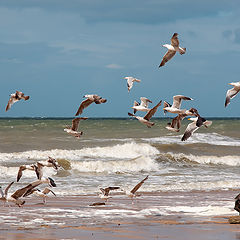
(172, 49)
(16, 195)
(105, 192)
(15, 97)
(90, 99)
(51, 162)
(231, 93)
(176, 122)
(74, 129)
(175, 108)
(146, 119)
(132, 193)
(40, 193)
(197, 122)
(143, 106)
(130, 81)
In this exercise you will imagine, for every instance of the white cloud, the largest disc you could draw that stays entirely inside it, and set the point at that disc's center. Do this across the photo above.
(114, 66)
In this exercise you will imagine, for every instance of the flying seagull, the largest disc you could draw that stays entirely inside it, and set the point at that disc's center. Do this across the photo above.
(172, 49)
(90, 99)
(51, 162)
(146, 119)
(16, 195)
(74, 129)
(40, 193)
(15, 97)
(175, 108)
(105, 192)
(143, 106)
(197, 122)
(176, 122)
(133, 193)
(231, 93)
(130, 81)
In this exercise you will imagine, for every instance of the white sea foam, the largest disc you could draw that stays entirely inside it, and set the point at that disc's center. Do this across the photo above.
(119, 151)
(133, 165)
(230, 160)
(209, 138)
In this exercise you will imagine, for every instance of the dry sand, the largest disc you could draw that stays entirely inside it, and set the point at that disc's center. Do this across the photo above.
(64, 218)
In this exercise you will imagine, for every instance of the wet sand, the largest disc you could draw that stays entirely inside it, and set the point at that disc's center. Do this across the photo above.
(71, 217)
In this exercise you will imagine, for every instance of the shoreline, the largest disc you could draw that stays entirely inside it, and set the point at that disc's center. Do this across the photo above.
(71, 217)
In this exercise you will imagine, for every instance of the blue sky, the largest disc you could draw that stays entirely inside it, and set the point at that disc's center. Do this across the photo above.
(57, 51)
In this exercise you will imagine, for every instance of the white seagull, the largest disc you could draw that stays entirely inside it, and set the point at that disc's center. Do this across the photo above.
(40, 193)
(90, 99)
(73, 130)
(194, 126)
(175, 108)
(105, 192)
(143, 106)
(172, 49)
(15, 97)
(133, 193)
(130, 81)
(146, 119)
(231, 93)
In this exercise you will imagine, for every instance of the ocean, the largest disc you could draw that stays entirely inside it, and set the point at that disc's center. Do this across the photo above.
(121, 152)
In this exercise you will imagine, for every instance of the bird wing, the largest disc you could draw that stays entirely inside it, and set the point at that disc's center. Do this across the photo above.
(23, 191)
(129, 83)
(152, 111)
(75, 123)
(22, 96)
(11, 101)
(19, 175)
(136, 80)
(177, 121)
(174, 40)
(191, 128)
(83, 105)
(7, 188)
(167, 57)
(108, 189)
(138, 185)
(178, 99)
(231, 93)
(39, 170)
(145, 101)
(47, 190)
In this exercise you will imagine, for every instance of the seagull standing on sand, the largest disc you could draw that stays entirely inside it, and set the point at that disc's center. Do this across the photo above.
(15, 97)
(172, 49)
(194, 126)
(42, 194)
(176, 122)
(133, 193)
(231, 93)
(90, 99)
(130, 81)
(175, 108)
(143, 106)
(146, 119)
(19, 193)
(105, 192)
(74, 129)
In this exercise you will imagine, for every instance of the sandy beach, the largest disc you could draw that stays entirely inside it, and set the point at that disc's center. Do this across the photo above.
(71, 217)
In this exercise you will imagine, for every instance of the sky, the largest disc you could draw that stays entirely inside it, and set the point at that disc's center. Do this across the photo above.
(57, 51)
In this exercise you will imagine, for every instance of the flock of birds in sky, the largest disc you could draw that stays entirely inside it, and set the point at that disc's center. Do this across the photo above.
(197, 122)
